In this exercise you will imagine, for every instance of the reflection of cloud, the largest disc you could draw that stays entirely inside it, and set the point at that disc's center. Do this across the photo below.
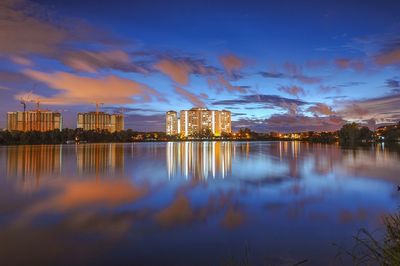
(233, 218)
(349, 217)
(179, 212)
(74, 89)
(80, 194)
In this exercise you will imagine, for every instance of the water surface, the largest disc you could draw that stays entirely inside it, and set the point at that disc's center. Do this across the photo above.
(190, 203)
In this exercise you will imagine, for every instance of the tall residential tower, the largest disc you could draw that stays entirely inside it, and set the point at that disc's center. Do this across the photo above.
(198, 121)
(171, 123)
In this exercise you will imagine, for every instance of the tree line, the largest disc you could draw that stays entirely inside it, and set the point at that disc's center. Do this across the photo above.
(349, 135)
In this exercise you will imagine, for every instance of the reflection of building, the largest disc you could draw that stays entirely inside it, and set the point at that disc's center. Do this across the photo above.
(199, 160)
(100, 121)
(100, 159)
(34, 161)
(201, 120)
(34, 121)
(171, 123)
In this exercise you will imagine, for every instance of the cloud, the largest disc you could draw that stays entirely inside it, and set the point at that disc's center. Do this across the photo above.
(391, 57)
(328, 89)
(220, 83)
(266, 74)
(320, 109)
(295, 72)
(21, 60)
(194, 99)
(265, 101)
(293, 90)
(177, 71)
(22, 32)
(382, 109)
(232, 64)
(92, 61)
(394, 84)
(291, 71)
(290, 123)
(75, 89)
(354, 64)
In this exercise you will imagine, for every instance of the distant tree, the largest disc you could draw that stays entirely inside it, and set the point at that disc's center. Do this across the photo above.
(349, 134)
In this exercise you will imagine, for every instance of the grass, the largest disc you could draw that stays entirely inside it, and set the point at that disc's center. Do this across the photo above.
(370, 251)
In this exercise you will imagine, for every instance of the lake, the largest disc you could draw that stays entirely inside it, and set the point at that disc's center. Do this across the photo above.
(191, 203)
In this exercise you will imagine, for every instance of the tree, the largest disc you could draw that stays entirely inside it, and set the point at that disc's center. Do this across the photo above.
(349, 134)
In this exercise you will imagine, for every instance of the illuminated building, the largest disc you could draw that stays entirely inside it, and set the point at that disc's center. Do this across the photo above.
(171, 123)
(100, 121)
(201, 120)
(38, 120)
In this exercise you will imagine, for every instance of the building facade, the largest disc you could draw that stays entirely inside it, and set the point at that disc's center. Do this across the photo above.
(171, 123)
(100, 121)
(34, 121)
(202, 121)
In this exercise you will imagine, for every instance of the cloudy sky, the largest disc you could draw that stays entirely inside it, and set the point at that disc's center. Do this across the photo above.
(277, 65)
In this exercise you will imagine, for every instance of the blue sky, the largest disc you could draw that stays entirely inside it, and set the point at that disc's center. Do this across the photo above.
(278, 66)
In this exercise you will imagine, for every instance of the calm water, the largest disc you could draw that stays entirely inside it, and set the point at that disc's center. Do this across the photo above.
(190, 203)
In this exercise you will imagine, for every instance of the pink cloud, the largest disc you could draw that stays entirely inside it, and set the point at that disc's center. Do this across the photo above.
(321, 109)
(293, 90)
(75, 89)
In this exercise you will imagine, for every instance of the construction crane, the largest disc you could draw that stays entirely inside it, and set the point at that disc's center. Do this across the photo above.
(23, 102)
(38, 120)
(98, 104)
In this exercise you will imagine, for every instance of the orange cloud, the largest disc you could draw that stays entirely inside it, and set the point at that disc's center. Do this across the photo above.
(388, 58)
(193, 98)
(344, 63)
(176, 70)
(80, 194)
(75, 89)
(231, 63)
(293, 90)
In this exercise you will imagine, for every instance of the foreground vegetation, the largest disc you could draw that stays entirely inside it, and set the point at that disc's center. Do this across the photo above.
(368, 250)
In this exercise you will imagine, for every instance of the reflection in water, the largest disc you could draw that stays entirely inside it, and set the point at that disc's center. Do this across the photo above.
(100, 159)
(271, 195)
(26, 162)
(199, 160)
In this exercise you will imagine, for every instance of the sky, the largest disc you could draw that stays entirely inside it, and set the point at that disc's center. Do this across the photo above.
(276, 65)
